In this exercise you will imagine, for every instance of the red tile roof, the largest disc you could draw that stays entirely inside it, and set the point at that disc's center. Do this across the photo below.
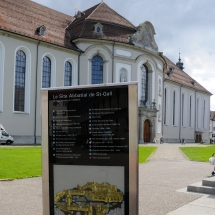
(23, 17)
(103, 13)
(110, 32)
(181, 77)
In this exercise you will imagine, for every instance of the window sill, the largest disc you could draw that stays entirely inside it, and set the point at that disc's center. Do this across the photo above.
(18, 112)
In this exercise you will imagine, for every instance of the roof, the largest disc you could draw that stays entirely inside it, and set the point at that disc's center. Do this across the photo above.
(103, 13)
(23, 17)
(110, 32)
(212, 115)
(115, 27)
(181, 77)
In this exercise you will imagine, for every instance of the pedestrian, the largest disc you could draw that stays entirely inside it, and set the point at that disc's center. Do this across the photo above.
(183, 141)
(212, 162)
(161, 140)
(154, 141)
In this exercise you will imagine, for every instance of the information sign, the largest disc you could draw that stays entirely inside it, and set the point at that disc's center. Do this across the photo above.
(88, 151)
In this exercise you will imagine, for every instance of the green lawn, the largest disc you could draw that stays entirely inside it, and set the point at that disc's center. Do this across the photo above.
(198, 153)
(145, 152)
(25, 162)
(20, 162)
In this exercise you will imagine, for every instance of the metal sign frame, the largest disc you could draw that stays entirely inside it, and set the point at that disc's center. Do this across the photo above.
(133, 143)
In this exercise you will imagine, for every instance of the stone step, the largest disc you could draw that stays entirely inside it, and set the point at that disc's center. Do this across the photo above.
(209, 182)
(199, 188)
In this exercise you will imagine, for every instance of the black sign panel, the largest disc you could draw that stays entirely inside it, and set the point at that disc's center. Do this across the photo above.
(89, 151)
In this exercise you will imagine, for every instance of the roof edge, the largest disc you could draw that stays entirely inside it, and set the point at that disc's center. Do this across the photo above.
(94, 10)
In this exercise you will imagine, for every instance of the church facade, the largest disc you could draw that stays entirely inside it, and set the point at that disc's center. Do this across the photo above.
(43, 48)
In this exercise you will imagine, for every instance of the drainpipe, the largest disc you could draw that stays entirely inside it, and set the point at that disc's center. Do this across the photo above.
(79, 68)
(113, 61)
(194, 127)
(180, 116)
(35, 108)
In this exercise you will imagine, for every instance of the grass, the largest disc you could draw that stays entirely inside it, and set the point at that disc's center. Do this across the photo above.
(20, 162)
(201, 154)
(145, 152)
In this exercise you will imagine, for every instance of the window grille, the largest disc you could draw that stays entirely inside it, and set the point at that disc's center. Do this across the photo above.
(46, 79)
(174, 108)
(19, 98)
(68, 74)
(97, 70)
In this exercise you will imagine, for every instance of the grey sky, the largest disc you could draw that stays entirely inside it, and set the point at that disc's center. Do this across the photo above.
(185, 24)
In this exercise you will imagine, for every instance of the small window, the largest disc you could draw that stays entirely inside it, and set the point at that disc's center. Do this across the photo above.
(41, 30)
(98, 28)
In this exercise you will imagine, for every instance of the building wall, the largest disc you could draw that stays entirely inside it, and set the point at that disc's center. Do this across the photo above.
(117, 57)
(187, 120)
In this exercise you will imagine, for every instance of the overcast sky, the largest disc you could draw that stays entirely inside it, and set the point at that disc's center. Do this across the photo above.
(185, 24)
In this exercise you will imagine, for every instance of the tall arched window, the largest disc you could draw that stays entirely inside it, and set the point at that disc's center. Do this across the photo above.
(165, 106)
(198, 113)
(190, 115)
(97, 70)
(68, 74)
(174, 106)
(20, 70)
(144, 84)
(46, 79)
(204, 115)
(182, 110)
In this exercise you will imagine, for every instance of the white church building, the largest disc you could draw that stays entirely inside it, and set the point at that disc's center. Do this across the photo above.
(42, 48)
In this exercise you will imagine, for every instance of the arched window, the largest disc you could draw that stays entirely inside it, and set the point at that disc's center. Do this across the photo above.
(182, 110)
(174, 107)
(20, 70)
(204, 115)
(123, 75)
(46, 79)
(165, 106)
(198, 114)
(68, 74)
(144, 84)
(97, 70)
(190, 119)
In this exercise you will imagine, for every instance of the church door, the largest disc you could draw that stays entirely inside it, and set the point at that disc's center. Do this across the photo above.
(146, 133)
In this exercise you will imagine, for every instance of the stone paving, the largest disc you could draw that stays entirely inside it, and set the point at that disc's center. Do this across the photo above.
(167, 172)
(159, 183)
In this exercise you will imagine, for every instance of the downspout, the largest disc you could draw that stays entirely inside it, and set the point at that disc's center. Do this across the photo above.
(35, 108)
(195, 119)
(113, 61)
(79, 68)
(162, 120)
(180, 117)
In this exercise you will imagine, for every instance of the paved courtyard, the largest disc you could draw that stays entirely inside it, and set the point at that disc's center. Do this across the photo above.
(161, 185)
